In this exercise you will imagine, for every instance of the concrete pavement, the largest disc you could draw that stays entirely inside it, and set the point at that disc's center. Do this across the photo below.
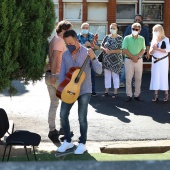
(110, 120)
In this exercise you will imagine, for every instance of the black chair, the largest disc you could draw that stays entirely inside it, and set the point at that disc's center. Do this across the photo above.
(19, 138)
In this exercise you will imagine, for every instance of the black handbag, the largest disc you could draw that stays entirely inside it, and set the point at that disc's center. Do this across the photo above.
(100, 56)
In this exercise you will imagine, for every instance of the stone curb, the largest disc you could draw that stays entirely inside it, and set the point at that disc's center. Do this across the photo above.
(112, 147)
(117, 147)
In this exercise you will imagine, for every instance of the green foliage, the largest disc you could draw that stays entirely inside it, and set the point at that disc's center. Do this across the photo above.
(24, 29)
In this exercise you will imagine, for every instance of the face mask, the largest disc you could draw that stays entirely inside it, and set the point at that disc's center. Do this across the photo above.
(84, 31)
(134, 33)
(113, 31)
(156, 33)
(71, 48)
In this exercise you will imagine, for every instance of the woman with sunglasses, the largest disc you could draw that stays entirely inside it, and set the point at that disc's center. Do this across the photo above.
(160, 62)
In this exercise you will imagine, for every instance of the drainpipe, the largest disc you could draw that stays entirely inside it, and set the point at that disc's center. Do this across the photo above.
(140, 7)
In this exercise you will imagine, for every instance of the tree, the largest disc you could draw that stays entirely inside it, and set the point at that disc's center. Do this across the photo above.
(24, 29)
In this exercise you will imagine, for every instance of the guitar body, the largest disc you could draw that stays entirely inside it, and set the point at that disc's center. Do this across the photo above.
(65, 82)
(72, 90)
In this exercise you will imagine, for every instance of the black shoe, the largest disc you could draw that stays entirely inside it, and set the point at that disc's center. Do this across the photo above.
(94, 94)
(53, 136)
(138, 99)
(128, 99)
(61, 132)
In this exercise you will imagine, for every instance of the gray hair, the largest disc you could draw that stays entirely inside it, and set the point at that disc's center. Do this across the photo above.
(136, 25)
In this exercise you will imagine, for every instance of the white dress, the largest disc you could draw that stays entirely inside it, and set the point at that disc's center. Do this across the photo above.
(159, 70)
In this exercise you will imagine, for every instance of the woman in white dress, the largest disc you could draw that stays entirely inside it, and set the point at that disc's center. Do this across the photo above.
(160, 62)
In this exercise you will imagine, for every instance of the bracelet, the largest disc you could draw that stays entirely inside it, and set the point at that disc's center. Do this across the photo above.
(53, 74)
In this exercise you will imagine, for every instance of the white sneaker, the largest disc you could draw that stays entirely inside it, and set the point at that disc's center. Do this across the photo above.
(81, 148)
(65, 145)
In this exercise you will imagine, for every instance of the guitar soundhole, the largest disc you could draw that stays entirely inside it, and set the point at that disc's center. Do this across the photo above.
(76, 80)
(71, 93)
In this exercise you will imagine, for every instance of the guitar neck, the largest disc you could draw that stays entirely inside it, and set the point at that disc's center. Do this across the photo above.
(82, 68)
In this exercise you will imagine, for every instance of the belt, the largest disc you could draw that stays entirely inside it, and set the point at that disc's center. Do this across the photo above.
(130, 58)
(158, 59)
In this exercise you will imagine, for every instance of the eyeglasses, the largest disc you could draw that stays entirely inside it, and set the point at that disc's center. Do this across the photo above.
(135, 29)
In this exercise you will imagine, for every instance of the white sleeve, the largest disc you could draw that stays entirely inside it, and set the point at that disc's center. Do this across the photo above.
(167, 45)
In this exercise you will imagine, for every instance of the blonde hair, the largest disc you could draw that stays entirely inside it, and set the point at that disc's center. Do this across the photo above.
(160, 30)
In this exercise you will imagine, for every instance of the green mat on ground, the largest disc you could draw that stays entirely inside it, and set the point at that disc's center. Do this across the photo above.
(45, 156)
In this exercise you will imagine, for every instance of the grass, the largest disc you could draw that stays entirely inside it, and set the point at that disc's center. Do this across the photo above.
(49, 156)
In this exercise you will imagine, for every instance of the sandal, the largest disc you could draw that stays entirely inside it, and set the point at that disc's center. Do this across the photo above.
(114, 96)
(166, 98)
(155, 99)
(105, 95)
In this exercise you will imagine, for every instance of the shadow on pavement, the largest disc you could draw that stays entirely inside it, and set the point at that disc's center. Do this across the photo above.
(158, 111)
(20, 86)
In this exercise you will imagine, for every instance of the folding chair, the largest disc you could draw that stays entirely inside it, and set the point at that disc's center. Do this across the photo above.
(17, 138)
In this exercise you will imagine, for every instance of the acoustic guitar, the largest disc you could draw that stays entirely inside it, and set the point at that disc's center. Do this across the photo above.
(69, 90)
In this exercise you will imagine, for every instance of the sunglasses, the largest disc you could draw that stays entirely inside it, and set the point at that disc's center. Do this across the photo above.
(134, 29)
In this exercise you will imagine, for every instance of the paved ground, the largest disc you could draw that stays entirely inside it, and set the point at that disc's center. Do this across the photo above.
(109, 119)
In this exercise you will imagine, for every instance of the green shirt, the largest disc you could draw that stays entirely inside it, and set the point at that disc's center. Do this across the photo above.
(134, 45)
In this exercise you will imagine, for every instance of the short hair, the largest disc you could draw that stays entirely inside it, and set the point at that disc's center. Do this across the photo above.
(116, 25)
(138, 15)
(63, 25)
(70, 33)
(136, 25)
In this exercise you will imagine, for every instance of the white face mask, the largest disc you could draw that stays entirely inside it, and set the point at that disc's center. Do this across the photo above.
(113, 31)
(134, 33)
(156, 33)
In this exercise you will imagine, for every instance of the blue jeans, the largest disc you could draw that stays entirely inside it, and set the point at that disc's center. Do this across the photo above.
(93, 74)
(83, 101)
(122, 76)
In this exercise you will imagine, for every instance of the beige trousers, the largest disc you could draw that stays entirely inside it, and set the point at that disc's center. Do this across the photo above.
(54, 101)
(132, 68)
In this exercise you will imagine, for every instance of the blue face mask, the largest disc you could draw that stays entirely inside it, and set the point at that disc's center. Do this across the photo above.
(84, 31)
(71, 48)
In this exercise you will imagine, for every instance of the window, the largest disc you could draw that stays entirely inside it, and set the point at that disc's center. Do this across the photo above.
(56, 12)
(56, 9)
(73, 11)
(122, 29)
(125, 11)
(97, 18)
(98, 29)
(152, 12)
(97, 11)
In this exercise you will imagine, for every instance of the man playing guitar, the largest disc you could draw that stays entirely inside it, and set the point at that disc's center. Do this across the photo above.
(75, 56)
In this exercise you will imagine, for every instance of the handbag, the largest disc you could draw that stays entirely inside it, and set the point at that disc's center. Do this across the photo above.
(100, 56)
